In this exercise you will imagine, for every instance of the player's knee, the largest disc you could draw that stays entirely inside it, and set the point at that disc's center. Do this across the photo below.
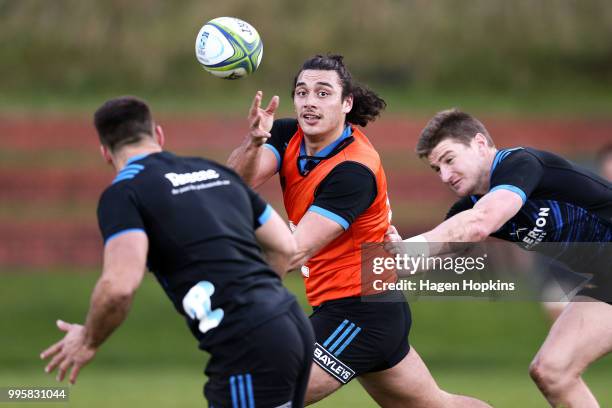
(550, 374)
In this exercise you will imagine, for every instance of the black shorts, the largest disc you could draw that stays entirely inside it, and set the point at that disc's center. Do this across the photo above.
(599, 265)
(268, 367)
(361, 334)
(599, 287)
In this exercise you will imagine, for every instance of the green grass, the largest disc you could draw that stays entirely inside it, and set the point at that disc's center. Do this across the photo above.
(479, 348)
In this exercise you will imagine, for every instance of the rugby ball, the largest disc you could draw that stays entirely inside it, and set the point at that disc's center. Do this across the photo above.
(228, 48)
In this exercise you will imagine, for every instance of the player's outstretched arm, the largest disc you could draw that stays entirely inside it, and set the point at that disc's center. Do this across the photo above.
(124, 267)
(492, 211)
(254, 163)
(277, 242)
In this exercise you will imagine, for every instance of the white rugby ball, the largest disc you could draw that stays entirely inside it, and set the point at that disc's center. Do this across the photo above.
(228, 48)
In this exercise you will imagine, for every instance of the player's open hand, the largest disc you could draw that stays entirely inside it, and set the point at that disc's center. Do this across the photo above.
(70, 352)
(261, 120)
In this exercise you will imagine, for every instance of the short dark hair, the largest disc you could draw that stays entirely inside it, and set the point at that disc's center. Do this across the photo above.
(122, 121)
(367, 105)
(450, 124)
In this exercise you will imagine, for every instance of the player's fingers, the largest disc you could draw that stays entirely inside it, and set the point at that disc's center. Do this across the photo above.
(392, 230)
(63, 367)
(63, 326)
(255, 104)
(273, 105)
(392, 238)
(392, 235)
(74, 372)
(57, 347)
(256, 121)
(393, 247)
(57, 360)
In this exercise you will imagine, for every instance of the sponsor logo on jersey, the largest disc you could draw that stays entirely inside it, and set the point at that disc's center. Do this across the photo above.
(518, 233)
(178, 180)
(332, 365)
(537, 233)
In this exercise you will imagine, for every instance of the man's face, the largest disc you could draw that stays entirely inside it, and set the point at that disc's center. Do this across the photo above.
(462, 167)
(318, 102)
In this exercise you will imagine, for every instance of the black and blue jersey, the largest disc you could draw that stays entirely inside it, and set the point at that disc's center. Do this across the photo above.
(200, 220)
(562, 204)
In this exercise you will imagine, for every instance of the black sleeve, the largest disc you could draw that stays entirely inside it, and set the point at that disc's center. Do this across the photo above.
(347, 191)
(118, 212)
(261, 209)
(519, 172)
(282, 131)
(463, 204)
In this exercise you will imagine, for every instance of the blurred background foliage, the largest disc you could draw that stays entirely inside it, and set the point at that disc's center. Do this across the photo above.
(70, 48)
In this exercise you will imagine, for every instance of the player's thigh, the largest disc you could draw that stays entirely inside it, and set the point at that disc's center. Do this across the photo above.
(408, 383)
(579, 336)
(355, 336)
(266, 367)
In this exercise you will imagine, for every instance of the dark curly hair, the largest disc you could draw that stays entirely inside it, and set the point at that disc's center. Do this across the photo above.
(367, 105)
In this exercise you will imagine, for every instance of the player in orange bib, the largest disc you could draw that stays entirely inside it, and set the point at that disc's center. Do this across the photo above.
(335, 193)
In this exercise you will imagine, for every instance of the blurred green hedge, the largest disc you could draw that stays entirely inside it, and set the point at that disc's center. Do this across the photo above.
(79, 46)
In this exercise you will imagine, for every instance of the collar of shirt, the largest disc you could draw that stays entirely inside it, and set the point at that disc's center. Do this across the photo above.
(135, 158)
(307, 163)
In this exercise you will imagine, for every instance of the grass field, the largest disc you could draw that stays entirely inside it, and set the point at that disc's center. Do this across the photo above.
(478, 348)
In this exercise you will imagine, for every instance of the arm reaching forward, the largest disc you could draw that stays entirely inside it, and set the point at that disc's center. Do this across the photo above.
(489, 214)
(124, 267)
